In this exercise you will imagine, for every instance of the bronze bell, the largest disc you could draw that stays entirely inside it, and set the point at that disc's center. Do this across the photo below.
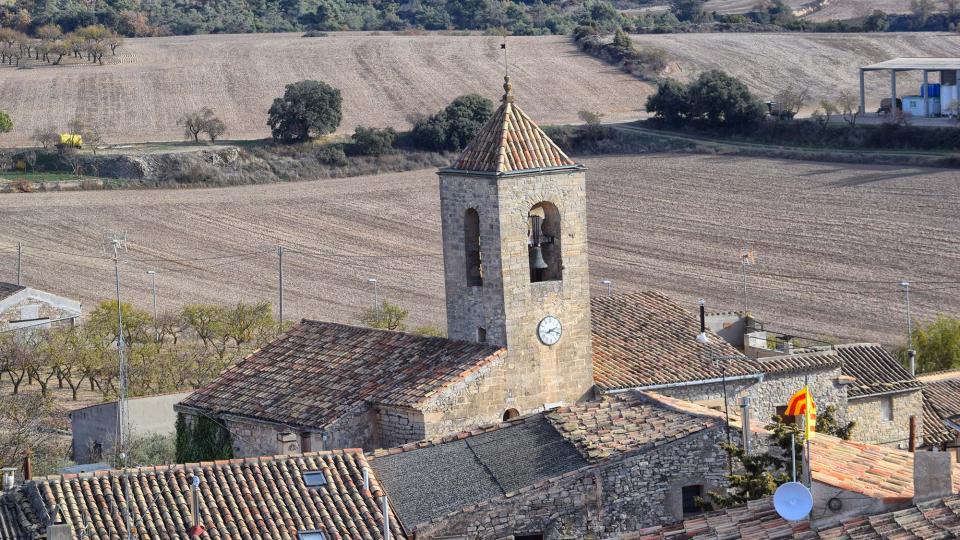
(536, 259)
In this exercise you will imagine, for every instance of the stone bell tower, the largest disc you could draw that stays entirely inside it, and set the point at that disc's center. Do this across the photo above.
(513, 210)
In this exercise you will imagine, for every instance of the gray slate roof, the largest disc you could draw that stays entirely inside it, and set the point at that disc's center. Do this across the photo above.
(425, 483)
(9, 289)
(876, 371)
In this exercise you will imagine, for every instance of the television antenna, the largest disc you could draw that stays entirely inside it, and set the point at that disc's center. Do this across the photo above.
(747, 258)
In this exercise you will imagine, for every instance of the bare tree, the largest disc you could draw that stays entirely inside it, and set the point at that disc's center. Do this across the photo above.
(46, 137)
(790, 100)
(849, 106)
(202, 121)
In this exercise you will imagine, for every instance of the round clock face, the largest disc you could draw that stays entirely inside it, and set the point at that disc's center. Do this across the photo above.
(549, 330)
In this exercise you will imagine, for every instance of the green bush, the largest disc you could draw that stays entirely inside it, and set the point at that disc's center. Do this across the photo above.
(307, 108)
(6, 124)
(455, 126)
(715, 100)
(373, 141)
(202, 439)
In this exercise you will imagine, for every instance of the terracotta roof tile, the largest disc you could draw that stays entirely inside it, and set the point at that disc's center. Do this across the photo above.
(646, 339)
(875, 471)
(941, 401)
(261, 498)
(788, 363)
(937, 519)
(509, 142)
(625, 423)
(318, 371)
(876, 370)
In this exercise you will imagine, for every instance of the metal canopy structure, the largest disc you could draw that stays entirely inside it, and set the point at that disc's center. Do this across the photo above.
(926, 65)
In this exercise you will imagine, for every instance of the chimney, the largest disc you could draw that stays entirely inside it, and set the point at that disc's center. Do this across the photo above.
(932, 477)
(27, 468)
(703, 316)
(8, 478)
(196, 530)
(386, 517)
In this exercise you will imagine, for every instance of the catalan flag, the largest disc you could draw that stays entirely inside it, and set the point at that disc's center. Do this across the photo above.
(802, 404)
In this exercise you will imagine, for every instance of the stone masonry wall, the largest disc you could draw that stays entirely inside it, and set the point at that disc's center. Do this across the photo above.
(508, 306)
(872, 428)
(776, 390)
(636, 492)
(397, 426)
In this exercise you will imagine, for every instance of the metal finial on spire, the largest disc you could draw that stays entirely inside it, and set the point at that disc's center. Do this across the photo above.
(507, 87)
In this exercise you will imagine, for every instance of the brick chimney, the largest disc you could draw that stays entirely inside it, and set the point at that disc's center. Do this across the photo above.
(932, 475)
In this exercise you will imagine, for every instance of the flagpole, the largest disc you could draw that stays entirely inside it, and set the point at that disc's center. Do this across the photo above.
(808, 432)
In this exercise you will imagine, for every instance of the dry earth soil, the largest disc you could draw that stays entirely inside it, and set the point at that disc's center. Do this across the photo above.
(824, 64)
(831, 241)
(385, 80)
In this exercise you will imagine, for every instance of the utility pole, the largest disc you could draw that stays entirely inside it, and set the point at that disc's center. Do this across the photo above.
(19, 263)
(156, 322)
(117, 244)
(376, 296)
(911, 353)
(280, 268)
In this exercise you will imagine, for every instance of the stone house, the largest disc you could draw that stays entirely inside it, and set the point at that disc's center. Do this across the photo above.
(941, 410)
(524, 334)
(646, 341)
(883, 396)
(625, 462)
(312, 496)
(24, 307)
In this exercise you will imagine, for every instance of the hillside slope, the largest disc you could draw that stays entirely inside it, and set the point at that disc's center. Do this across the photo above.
(825, 64)
(670, 222)
(385, 80)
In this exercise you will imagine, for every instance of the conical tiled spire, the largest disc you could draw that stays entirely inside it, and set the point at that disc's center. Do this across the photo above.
(510, 142)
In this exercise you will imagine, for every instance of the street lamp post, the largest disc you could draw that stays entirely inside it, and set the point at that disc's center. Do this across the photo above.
(156, 322)
(911, 354)
(721, 363)
(609, 285)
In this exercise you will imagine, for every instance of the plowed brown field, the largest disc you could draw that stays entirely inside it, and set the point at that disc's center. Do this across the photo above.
(824, 64)
(674, 223)
(385, 80)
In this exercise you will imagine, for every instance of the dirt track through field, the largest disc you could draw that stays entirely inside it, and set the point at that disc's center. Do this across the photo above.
(675, 223)
(385, 81)
(824, 64)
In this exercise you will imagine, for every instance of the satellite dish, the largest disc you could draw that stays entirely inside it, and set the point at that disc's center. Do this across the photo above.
(793, 501)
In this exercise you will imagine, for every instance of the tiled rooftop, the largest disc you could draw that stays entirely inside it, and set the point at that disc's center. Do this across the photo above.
(510, 142)
(757, 520)
(9, 289)
(876, 370)
(878, 472)
(318, 371)
(252, 499)
(646, 339)
(623, 424)
(936, 519)
(789, 363)
(941, 401)
(430, 480)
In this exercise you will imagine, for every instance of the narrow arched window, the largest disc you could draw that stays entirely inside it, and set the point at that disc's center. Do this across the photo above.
(471, 246)
(543, 227)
